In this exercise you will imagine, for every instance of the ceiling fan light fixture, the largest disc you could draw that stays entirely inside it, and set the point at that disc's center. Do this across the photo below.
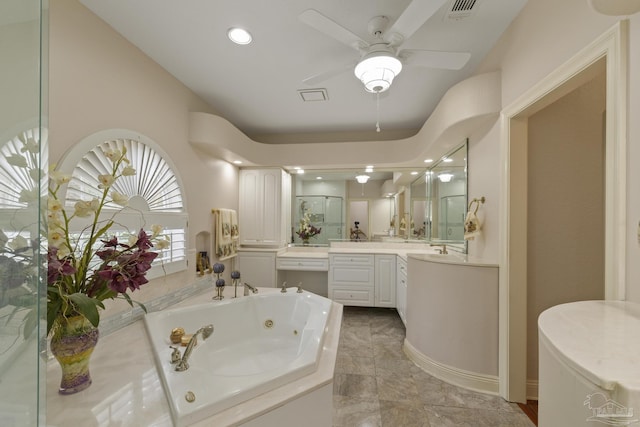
(377, 71)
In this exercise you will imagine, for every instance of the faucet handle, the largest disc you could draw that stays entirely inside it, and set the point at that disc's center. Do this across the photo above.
(175, 355)
(284, 287)
(299, 288)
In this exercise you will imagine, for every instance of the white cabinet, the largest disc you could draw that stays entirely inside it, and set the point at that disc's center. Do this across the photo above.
(363, 279)
(257, 268)
(351, 279)
(401, 289)
(264, 211)
(385, 281)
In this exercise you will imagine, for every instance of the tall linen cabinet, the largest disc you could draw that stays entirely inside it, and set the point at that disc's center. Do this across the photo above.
(264, 211)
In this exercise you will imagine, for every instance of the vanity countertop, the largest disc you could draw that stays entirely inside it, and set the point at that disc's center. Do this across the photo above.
(598, 339)
(452, 258)
(127, 390)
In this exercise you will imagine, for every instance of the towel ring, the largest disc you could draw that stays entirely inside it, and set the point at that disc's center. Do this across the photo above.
(477, 202)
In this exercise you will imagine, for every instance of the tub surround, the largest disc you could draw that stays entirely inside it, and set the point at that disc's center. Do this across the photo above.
(127, 389)
(452, 319)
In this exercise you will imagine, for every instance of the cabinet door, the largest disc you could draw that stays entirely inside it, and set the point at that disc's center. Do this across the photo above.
(270, 221)
(249, 207)
(401, 290)
(258, 268)
(385, 280)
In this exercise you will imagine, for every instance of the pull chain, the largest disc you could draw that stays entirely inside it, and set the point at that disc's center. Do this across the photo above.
(378, 112)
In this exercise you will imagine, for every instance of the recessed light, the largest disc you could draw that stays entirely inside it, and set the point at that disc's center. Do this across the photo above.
(447, 160)
(237, 162)
(318, 177)
(296, 167)
(414, 173)
(239, 35)
(428, 160)
(300, 171)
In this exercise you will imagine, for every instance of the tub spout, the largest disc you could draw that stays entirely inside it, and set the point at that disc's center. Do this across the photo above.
(247, 288)
(206, 332)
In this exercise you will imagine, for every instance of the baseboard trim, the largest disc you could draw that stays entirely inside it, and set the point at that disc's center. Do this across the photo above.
(460, 377)
(532, 389)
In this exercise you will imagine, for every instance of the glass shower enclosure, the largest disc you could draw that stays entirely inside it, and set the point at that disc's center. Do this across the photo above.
(325, 212)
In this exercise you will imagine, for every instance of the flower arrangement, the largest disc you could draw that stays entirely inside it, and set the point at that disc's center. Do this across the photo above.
(306, 230)
(88, 266)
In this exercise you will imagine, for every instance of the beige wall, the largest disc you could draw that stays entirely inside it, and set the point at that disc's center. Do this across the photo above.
(546, 34)
(565, 242)
(98, 81)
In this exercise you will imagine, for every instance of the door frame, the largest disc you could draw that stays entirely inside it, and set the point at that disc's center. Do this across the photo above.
(612, 46)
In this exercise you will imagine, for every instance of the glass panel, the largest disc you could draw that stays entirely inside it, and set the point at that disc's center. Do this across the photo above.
(23, 161)
(324, 213)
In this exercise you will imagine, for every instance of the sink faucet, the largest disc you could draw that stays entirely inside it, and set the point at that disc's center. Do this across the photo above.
(443, 250)
(283, 287)
(247, 288)
(183, 364)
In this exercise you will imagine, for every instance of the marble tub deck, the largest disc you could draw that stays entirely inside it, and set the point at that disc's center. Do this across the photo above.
(375, 384)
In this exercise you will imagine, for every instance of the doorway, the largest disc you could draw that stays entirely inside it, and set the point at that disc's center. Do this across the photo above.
(608, 53)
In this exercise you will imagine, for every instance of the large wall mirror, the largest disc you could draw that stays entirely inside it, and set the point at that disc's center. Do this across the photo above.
(446, 183)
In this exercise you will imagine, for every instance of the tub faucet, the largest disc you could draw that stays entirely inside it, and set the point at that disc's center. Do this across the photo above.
(206, 332)
(443, 250)
(247, 288)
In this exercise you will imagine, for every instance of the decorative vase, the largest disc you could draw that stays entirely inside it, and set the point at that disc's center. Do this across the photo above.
(305, 242)
(72, 345)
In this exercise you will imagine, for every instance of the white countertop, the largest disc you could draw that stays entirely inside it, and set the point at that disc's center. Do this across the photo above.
(598, 339)
(452, 258)
(127, 390)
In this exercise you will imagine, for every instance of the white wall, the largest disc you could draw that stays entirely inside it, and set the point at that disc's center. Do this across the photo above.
(546, 34)
(98, 81)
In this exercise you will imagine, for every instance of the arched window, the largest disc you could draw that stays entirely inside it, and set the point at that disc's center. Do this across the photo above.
(154, 192)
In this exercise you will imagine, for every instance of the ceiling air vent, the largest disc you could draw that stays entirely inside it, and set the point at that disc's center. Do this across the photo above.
(310, 95)
(461, 9)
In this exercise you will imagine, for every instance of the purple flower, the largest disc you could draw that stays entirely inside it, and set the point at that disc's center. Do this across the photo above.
(143, 242)
(57, 267)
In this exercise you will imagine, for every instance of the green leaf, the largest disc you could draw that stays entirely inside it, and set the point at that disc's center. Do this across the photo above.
(53, 310)
(86, 306)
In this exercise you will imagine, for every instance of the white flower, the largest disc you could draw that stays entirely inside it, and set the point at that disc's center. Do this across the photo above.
(156, 229)
(30, 145)
(56, 238)
(84, 209)
(54, 205)
(128, 171)
(17, 160)
(113, 155)
(119, 199)
(162, 244)
(58, 177)
(27, 196)
(18, 242)
(132, 240)
(105, 181)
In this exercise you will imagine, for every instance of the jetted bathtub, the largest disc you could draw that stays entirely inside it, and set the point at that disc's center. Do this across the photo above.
(259, 343)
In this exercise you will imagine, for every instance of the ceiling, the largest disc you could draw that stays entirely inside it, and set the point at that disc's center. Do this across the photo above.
(256, 87)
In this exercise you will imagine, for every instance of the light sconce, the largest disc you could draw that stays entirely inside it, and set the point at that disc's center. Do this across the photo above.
(445, 177)
(377, 70)
(362, 179)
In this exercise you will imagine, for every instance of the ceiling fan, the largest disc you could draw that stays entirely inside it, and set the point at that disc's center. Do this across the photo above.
(381, 60)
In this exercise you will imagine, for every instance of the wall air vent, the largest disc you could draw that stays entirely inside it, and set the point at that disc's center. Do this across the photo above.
(461, 9)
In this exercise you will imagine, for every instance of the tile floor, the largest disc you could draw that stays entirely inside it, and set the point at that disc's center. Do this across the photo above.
(376, 385)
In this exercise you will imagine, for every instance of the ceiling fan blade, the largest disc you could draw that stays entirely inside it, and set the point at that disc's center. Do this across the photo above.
(435, 59)
(325, 25)
(326, 75)
(413, 17)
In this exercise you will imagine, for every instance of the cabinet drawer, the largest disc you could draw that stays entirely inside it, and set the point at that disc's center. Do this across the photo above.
(352, 275)
(308, 264)
(348, 296)
(352, 259)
